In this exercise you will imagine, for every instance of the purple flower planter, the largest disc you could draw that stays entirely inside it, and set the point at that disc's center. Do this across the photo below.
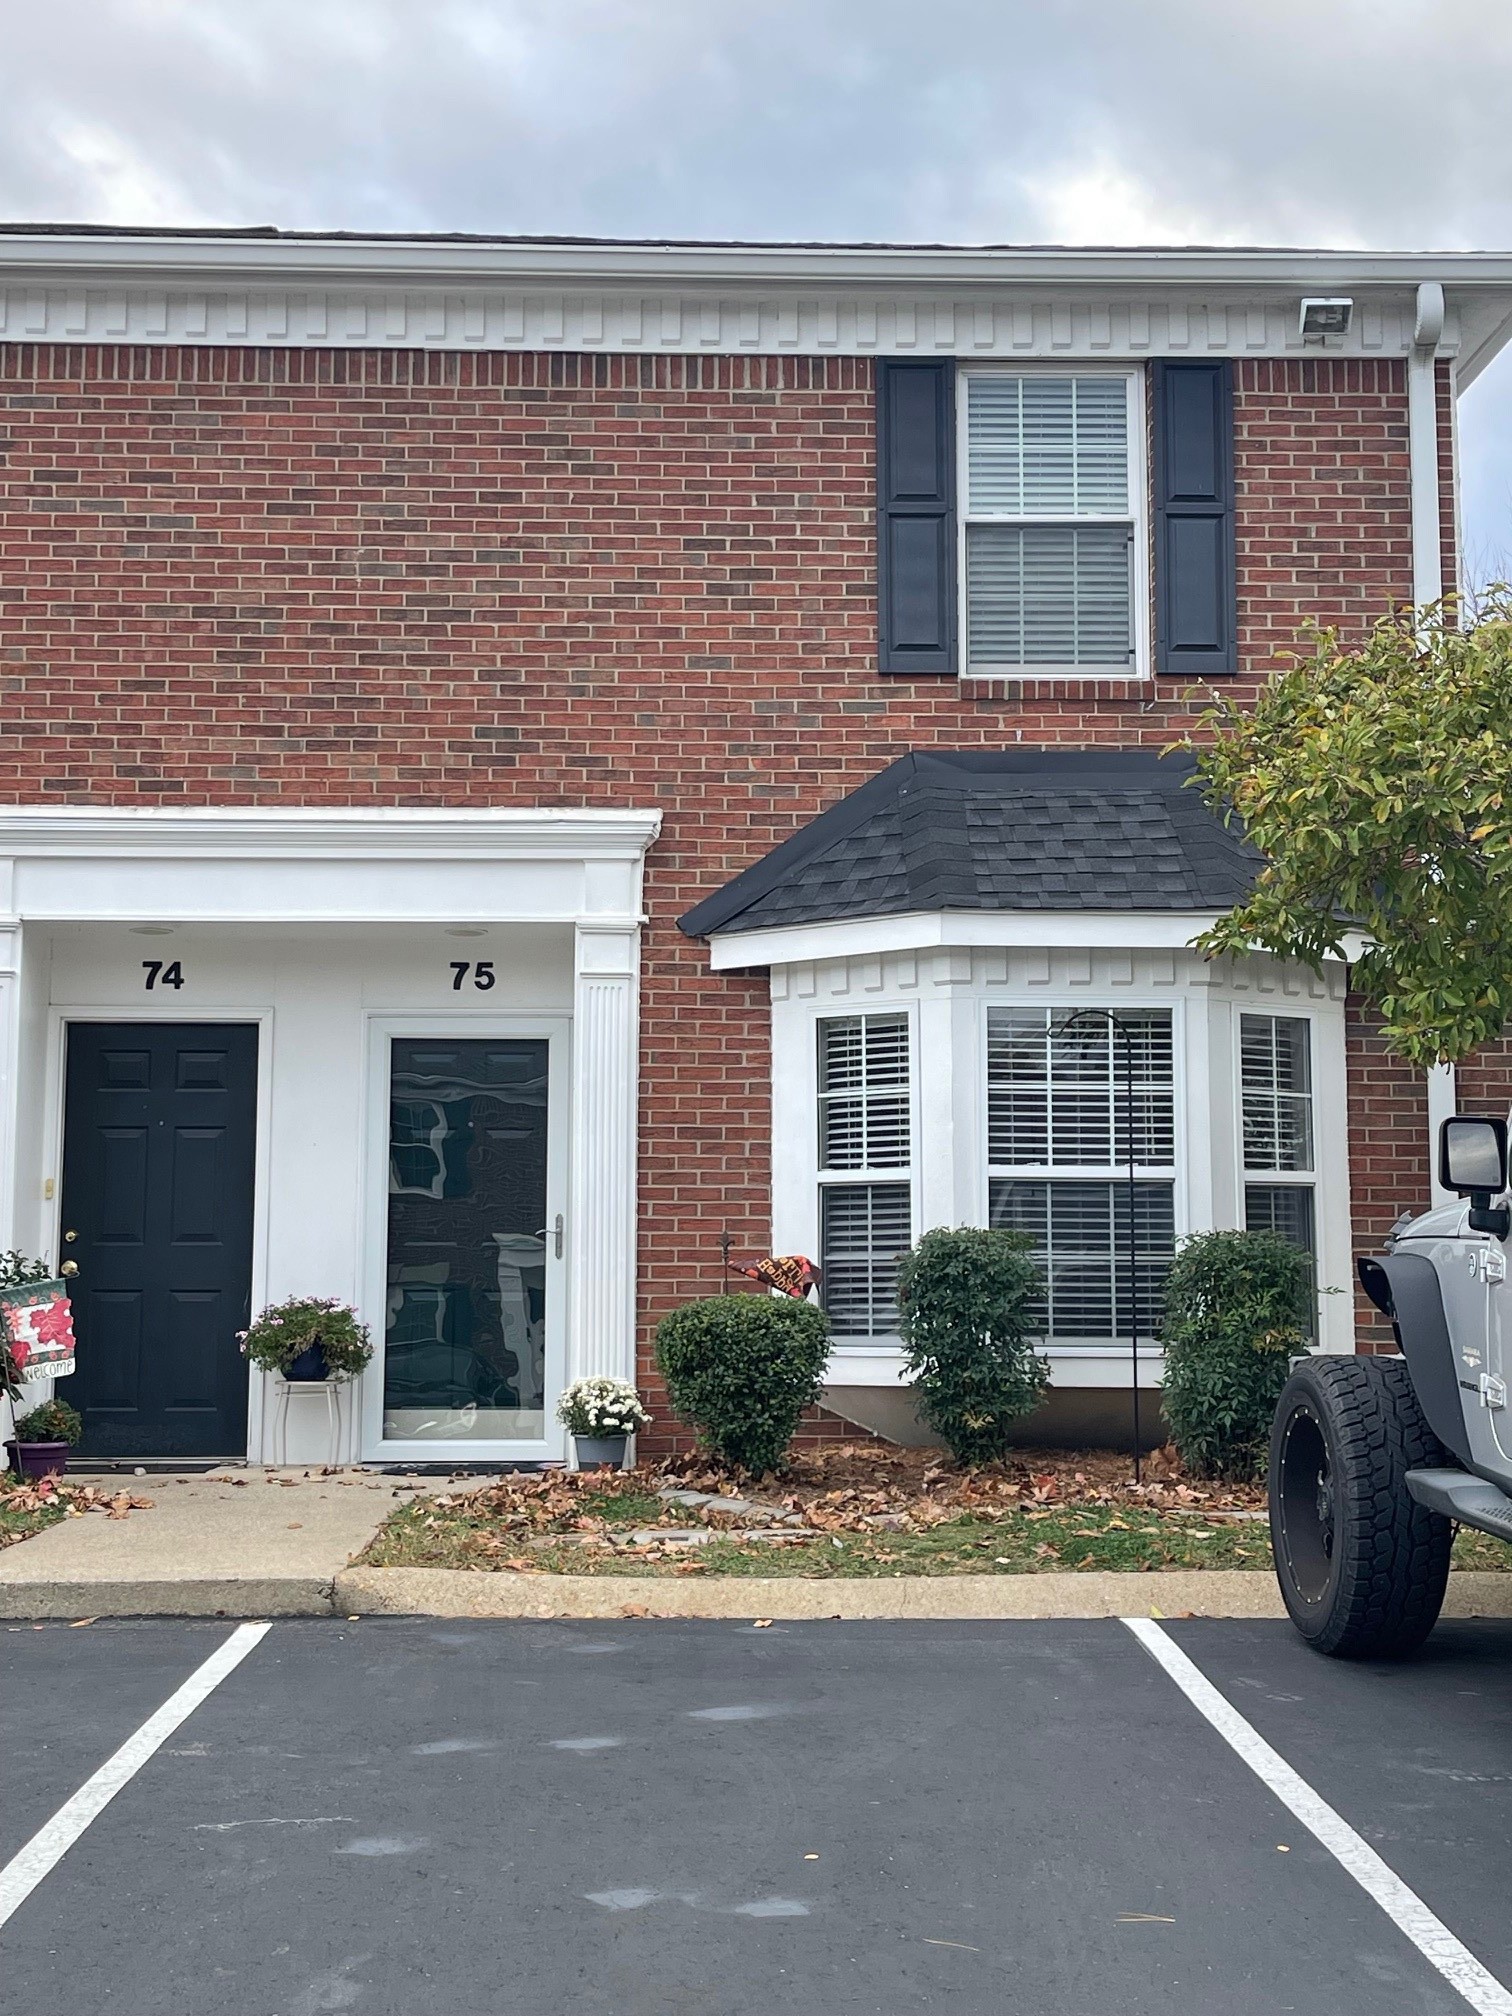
(38, 1459)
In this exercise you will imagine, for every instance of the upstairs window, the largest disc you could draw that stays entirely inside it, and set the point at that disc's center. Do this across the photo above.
(1058, 1147)
(865, 1169)
(1051, 478)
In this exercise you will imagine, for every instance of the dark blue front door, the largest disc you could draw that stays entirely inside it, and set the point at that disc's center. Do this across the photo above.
(158, 1148)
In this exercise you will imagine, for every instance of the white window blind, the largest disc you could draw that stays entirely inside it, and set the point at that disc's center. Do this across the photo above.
(1275, 1072)
(1058, 1146)
(865, 1132)
(1049, 521)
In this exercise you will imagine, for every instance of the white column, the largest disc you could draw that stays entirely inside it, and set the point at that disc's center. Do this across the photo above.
(601, 1227)
(10, 1082)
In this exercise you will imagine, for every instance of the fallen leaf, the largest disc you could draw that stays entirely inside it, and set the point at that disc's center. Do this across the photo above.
(79, 1623)
(762, 1624)
(959, 1944)
(634, 1610)
(295, 1525)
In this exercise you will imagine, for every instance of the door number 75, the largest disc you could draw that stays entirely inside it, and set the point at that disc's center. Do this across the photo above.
(482, 971)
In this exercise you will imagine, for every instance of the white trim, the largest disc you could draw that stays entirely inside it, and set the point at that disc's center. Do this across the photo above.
(1136, 518)
(931, 930)
(414, 294)
(379, 1031)
(1097, 1368)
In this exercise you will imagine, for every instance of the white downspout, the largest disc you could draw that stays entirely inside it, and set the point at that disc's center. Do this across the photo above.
(1428, 584)
(1423, 445)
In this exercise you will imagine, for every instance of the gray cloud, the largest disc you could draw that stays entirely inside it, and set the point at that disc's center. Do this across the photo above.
(1290, 121)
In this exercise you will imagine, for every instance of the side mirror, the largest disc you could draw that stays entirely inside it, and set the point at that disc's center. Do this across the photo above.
(1473, 1163)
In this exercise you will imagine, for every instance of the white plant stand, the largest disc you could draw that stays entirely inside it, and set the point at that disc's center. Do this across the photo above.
(282, 1388)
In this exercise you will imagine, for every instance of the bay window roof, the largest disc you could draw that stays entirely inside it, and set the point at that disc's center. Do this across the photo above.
(1014, 830)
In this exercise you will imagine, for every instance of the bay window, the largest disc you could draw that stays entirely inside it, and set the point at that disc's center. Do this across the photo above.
(1058, 1123)
(865, 1131)
(1276, 1097)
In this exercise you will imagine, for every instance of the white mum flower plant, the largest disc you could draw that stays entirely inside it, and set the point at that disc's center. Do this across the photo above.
(601, 1407)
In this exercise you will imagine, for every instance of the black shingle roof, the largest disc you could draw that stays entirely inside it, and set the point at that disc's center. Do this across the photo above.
(1025, 829)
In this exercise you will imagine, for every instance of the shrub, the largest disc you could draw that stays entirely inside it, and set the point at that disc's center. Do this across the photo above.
(742, 1368)
(1238, 1306)
(966, 1301)
(601, 1407)
(53, 1421)
(284, 1329)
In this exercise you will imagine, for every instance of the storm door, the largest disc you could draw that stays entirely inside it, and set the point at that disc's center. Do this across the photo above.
(465, 1356)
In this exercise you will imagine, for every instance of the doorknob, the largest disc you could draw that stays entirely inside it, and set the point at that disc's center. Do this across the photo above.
(69, 1269)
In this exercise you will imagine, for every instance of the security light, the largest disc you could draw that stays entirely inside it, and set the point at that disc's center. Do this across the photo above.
(1326, 317)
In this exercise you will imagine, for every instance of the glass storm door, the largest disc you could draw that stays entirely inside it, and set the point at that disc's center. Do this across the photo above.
(465, 1321)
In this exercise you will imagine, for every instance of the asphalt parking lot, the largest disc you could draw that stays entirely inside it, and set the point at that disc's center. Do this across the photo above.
(411, 1818)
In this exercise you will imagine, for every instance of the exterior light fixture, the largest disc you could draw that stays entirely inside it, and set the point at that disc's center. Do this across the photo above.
(1326, 316)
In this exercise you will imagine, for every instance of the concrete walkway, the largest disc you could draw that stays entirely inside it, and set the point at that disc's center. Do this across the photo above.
(238, 1543)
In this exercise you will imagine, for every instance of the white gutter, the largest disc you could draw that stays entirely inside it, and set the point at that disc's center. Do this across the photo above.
(198, 259)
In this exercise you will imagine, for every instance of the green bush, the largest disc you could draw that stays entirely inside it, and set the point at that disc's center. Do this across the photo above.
(742, 1368)
(966, 1301)
(1238, 1307)
(53, 1421)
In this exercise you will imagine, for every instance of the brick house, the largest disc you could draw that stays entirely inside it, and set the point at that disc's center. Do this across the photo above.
(523, 758)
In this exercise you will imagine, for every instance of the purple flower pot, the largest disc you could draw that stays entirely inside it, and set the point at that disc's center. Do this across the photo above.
(38, 1459)
(309, 1365)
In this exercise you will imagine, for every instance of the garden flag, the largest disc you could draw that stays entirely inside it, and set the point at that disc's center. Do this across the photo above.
(37, 1326)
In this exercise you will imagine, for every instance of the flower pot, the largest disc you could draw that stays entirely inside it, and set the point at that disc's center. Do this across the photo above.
(600, 1452)
(310, 1364)
(38, 1459)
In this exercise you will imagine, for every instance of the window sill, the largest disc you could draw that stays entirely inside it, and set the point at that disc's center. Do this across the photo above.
(1098, 1366)
(1056, 686)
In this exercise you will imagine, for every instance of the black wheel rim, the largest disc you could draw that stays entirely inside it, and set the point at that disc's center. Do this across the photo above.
(1306, 1507)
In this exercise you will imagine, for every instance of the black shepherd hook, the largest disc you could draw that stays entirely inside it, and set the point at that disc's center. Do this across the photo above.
(1114, 1021)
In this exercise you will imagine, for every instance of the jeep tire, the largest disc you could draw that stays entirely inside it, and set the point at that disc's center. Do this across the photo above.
(1362, 1565)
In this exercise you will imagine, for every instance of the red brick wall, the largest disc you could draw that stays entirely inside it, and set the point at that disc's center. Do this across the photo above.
(237, 577)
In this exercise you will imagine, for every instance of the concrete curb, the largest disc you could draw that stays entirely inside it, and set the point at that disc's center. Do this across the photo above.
(210, 1596)
(461, 1592)
(481, 1593)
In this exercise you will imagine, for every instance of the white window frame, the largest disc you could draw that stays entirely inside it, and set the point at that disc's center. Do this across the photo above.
(1138, 514)
(1118, 1172)
(1281, 1179)
(817, 1179)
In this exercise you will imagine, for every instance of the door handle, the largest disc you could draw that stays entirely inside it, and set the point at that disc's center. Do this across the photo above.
(554, 1232)
(69, 1269)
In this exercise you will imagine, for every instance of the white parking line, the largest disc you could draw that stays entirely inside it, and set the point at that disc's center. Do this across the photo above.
(51, 1842)
(1402, 1906)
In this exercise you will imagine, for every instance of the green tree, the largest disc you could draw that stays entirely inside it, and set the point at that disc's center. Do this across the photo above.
(1377, 782)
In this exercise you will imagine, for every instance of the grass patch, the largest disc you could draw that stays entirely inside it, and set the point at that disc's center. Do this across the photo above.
(24, 1511)
(858, 1511)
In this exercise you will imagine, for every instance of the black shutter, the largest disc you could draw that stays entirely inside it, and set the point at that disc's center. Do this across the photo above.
(916, 515)
(1195, 606)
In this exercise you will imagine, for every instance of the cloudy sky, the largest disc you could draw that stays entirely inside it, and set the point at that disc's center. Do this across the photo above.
(1320, 122)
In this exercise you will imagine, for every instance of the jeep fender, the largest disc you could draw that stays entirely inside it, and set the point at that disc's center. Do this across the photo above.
(1405, 1286)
